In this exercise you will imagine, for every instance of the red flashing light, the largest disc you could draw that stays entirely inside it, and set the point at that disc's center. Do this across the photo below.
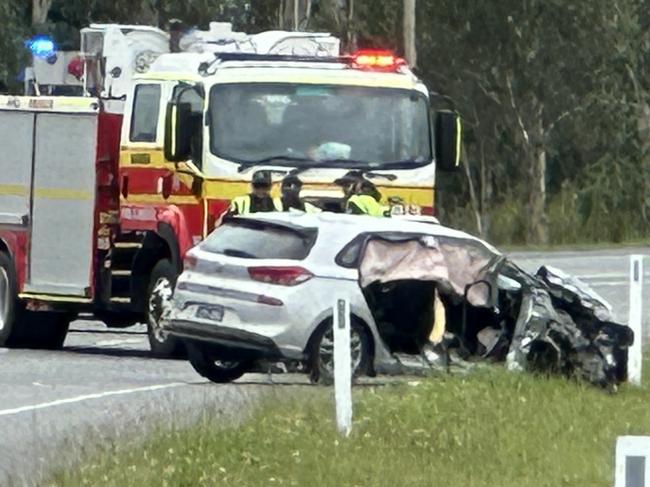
(376, 59)
(282, 276)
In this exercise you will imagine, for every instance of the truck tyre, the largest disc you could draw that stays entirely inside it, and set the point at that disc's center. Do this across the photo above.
(20, 328)
(211, 368)
(321, 352)
(159, 295)
(8, 298)
(40, 330)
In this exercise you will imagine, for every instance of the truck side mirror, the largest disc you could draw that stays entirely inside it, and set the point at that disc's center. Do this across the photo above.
(178, 131)
(447, 138)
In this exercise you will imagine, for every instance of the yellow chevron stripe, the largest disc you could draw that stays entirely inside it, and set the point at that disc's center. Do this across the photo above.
(63, 194)
(158, 199)
(47, 193)
(13, 190)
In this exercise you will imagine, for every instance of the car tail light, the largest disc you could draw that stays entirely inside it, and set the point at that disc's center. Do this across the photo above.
(190, 262)
(283, 276)
(377, 59)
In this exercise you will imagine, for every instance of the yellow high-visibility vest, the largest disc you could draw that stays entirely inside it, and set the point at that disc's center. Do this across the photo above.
(241, 205)
(309, 208)
(368, 205)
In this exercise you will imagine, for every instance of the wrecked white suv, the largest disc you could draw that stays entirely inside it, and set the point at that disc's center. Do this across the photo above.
(261, 288)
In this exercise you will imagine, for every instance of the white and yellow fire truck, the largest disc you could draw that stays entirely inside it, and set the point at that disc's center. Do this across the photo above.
(102, 194)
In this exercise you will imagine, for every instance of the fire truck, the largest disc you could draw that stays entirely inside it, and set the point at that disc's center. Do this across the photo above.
(102, 192)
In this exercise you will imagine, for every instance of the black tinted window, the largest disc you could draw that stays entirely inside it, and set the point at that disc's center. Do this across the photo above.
(260, 242)
(349, 256)
(146, 107)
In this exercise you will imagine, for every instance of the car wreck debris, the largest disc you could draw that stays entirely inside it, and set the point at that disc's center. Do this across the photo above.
(423, 298)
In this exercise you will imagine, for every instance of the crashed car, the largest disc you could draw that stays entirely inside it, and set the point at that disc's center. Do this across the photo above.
(261, 288)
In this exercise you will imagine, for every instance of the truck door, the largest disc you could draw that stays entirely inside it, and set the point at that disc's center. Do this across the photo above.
(61, 253)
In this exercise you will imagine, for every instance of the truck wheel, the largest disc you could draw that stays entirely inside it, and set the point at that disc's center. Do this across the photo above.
(20, 328)
(219, 371)
(161, 289)
(8, 298)
(41, 330)
(321, 353)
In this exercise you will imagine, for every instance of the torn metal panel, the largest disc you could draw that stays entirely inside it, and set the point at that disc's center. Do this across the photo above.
(558, 330)
(571, 291)
(453, 265)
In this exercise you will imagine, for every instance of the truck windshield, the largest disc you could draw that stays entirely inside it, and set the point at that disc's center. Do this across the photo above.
(304, 124)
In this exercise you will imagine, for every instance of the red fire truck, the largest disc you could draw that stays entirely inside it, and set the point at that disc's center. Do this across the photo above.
(102, 194)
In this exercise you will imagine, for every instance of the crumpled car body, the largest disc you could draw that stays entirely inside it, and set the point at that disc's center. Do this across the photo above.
(261, 289)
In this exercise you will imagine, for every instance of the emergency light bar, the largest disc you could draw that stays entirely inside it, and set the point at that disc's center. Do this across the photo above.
(375, 59)
(367, 59)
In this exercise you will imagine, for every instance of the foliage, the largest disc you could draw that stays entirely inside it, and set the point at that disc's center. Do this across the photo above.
(554, 96)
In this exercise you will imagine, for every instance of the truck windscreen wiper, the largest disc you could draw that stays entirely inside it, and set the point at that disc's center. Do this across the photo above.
(283, 158)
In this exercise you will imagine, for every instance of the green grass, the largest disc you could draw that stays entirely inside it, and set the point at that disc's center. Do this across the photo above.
(490, 428)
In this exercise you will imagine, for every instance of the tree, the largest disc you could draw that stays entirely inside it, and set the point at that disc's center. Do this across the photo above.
(40, 9)
(519, 70)
(410, 51)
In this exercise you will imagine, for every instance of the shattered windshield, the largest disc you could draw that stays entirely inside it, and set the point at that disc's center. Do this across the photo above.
(302, 124)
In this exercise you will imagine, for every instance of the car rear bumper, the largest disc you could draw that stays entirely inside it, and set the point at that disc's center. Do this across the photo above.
(224, 337)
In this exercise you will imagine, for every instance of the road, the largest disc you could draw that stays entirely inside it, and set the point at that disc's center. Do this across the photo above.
(104, 386)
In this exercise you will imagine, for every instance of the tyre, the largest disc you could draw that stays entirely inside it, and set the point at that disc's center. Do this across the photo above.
(8, 298)
(41, 330)
(321, 353)
(208, 366)
(159, 295)
(25, 329)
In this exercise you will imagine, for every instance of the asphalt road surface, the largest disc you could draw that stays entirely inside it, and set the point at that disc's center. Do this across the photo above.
(104, 386)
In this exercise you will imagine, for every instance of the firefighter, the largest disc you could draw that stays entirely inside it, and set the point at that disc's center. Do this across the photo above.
(290, 199)
(259, 200)
(361, 196)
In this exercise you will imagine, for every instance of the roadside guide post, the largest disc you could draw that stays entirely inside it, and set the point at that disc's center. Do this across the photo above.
(632, 461)
(342, 366)
(635, 316)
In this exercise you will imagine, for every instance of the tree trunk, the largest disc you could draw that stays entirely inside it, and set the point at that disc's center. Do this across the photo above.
(410, 51)
(40, 9)
(486, 191)
(472, 195)
(537, 173)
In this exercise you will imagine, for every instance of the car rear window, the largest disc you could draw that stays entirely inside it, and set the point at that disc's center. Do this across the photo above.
(251, 240)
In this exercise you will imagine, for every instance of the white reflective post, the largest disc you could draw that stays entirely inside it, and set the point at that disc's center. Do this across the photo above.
(632, 461)
(342, 366)
(634, 359)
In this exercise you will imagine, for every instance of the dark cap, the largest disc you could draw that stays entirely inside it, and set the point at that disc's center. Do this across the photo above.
(262, 178)
(291, 183)
(349, 178)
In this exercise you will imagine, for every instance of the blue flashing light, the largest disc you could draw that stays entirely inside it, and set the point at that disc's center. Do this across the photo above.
(41, 46)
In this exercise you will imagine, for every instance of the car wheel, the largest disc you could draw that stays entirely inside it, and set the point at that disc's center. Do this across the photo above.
(161, 289)
(321, 355)
(210, 367)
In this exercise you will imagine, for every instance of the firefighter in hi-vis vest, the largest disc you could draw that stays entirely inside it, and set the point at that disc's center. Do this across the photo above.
(361, 196)
(259, 199)
(290, 199)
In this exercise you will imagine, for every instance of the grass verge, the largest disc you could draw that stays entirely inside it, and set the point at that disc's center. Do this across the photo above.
(490, 428)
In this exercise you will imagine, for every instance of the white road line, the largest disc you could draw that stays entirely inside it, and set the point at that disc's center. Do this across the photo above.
(88, 397)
